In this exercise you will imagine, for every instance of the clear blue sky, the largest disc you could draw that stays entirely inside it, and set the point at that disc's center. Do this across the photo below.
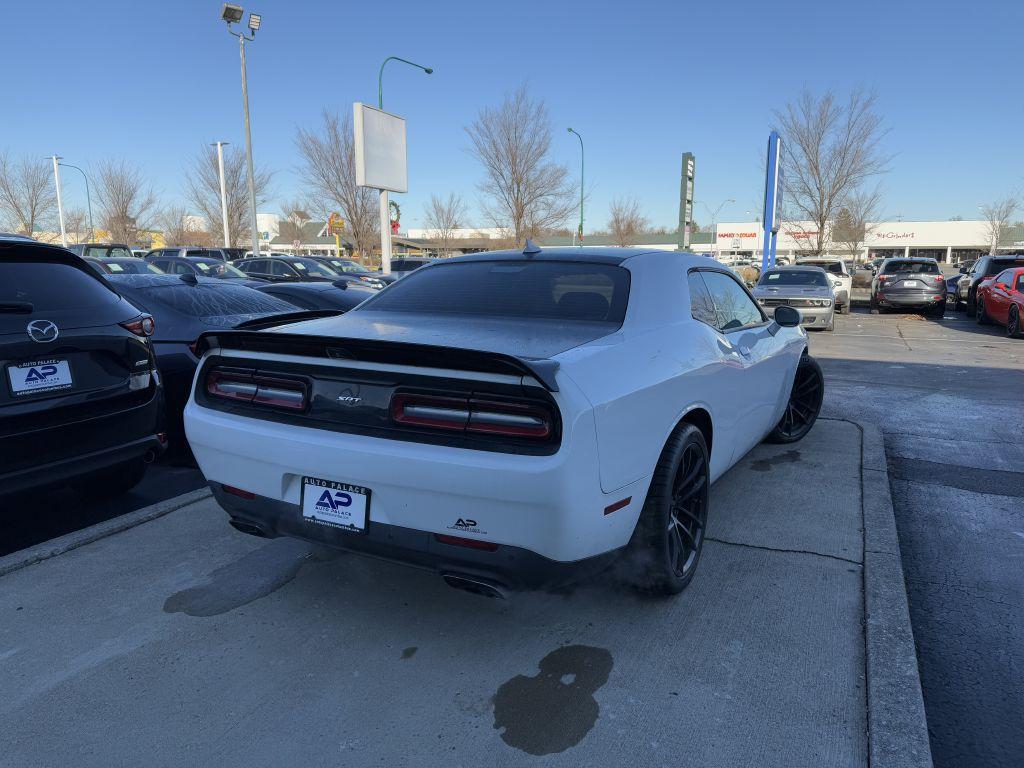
(642, 81)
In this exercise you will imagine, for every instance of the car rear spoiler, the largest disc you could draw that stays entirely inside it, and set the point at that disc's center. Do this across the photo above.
(382, 351)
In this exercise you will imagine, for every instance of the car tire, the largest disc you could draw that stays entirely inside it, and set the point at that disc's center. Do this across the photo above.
(979, 312)
(1013, 329)
(804, 403)
(665, 548)
(113, 481)
(831, 325)
(875, 309)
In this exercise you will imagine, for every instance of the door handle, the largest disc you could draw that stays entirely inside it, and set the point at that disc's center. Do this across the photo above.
(744, 350)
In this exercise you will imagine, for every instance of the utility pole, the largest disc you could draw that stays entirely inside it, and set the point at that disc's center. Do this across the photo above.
(232, 14)
(579, 241)
(223, 193)
(60, 200)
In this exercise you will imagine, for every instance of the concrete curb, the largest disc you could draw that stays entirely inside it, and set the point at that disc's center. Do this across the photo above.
(897, 727)
(59, 546)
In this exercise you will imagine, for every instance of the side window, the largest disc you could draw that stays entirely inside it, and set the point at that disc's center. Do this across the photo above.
(255, 267)
(159, 263)
(281, 269)
(181, 268)
(700, 301)
(1020, 283)
(734, 307)
(1004, 277)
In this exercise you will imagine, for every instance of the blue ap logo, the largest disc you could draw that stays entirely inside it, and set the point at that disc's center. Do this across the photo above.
(333, 500)
(41, 373)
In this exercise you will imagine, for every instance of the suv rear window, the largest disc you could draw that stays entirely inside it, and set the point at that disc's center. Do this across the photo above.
(50, 286)
(998, 265)
(548, 290)
(916, 267)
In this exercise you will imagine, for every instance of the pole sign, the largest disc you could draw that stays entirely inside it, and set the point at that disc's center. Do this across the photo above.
(686, 201)
(772, 199)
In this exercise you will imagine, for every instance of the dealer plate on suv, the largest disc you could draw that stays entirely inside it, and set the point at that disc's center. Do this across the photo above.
(40, 376)
(337, 505)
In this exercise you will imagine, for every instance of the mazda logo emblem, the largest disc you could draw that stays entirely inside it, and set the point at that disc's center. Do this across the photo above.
(42, 331)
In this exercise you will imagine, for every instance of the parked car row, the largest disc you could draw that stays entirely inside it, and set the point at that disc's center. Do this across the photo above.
(84, 407)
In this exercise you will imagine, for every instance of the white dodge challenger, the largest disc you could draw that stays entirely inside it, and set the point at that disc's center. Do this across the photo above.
(511, 420)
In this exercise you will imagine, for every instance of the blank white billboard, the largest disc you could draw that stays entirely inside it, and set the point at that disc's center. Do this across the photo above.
(380, 149)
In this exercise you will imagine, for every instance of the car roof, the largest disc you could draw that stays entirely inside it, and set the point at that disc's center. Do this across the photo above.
(797, 268)
(159, 281)
(597, 255)
(919, 259)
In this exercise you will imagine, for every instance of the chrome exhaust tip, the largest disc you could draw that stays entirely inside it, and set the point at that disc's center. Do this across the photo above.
(475, 585)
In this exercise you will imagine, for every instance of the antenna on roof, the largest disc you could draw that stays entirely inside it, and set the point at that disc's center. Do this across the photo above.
(531, 248)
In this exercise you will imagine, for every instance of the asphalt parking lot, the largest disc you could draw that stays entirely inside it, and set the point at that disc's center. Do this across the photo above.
(254, 638)
(946, 394)
(189, 643)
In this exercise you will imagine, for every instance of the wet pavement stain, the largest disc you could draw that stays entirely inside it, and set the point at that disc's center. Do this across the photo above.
(765, 465)
(249, 578)
(553, 711)
(408, 652)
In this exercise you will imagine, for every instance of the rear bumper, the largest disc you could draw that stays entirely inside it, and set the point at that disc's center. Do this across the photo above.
(550, 505)
(63, 452)
(506, 566)
(911, 298)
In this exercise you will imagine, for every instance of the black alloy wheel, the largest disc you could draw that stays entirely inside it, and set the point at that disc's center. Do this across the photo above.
(980, 314)
(669, 536)
(1013, 329)
(804, 403)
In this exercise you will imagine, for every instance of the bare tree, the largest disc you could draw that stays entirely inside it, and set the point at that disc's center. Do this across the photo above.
(76, 225)
(329, 169)
(856, 219)
(202, 187)
(526, 192)
(27, 194)
(179, 228)
(442, 217)
(126, 201)
(830, 149)
(997, 222)
(626, 223)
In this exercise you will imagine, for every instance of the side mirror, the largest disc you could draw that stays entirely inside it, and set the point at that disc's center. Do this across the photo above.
(787, 317)
(1002, 286)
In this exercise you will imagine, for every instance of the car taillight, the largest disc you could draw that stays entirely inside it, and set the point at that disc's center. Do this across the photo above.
(940, 279)
(143, 326)
(250, 387)
(477, 415)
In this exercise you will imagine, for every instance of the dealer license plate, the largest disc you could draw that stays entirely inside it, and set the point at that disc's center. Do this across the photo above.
(336, 505)
(40, 376)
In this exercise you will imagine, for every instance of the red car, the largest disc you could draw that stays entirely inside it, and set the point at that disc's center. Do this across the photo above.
(1001, 300)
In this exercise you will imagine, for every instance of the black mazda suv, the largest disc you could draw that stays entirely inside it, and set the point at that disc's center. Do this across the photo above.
(80, 402)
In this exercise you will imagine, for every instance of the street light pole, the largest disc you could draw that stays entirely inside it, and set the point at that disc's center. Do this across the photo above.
(232, 14)
(579, 241)
(88, 199)
(714, 218)
(223, 193)
(385, 214)
(60, 200)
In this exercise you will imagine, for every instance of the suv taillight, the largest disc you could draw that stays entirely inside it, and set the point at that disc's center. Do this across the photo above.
(143, 326)
(250, 387)
(475, 415)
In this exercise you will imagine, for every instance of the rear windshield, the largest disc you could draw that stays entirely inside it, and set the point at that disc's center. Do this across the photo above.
(548, 290)
(131, 267)
(835, 267)
(50, 286)
(998, 265)
(915, 267)
(108, 252)
(795, 277)
(213, 301)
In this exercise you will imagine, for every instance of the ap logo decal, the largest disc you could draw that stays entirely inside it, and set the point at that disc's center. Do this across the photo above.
(40, 373)
(331, 501)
